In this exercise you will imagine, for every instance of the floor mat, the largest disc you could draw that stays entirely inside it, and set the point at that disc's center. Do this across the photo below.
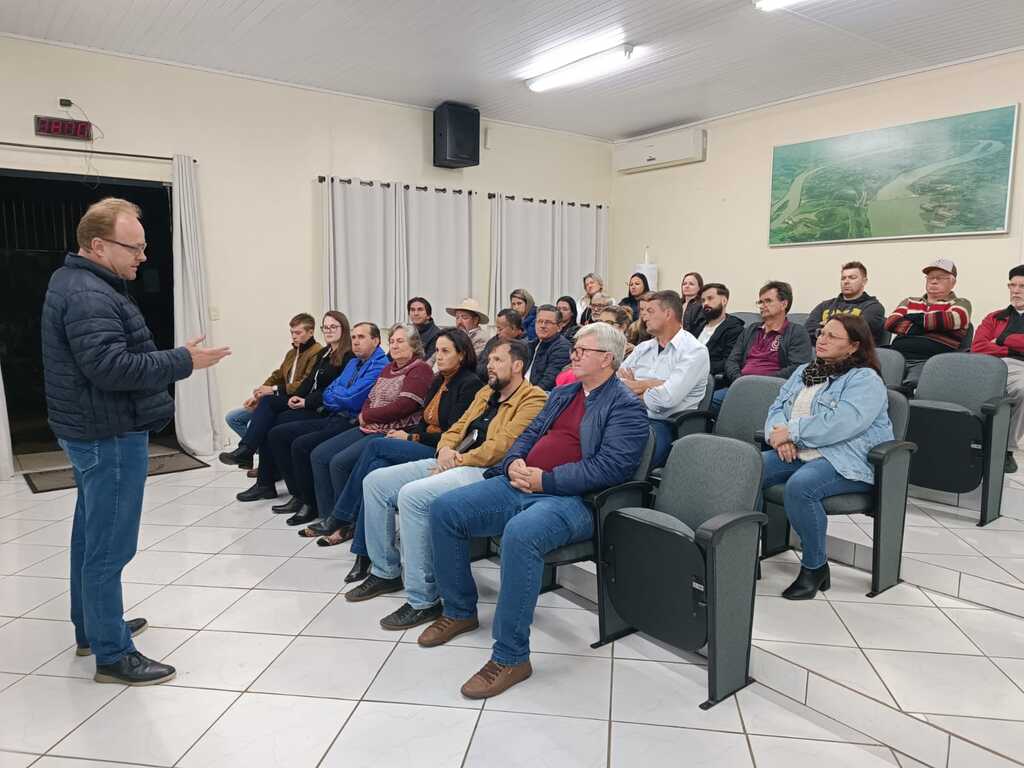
(62, 479)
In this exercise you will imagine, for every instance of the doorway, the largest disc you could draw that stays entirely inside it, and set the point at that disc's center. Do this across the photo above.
(39, 213)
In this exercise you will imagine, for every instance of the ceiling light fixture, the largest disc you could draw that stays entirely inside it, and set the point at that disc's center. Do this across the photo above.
(775, 5)
(584, 69)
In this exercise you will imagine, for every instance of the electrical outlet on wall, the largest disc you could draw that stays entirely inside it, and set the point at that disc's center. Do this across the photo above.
(214, 312)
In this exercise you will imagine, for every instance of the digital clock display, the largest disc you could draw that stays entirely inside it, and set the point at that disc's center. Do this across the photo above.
(63, 127)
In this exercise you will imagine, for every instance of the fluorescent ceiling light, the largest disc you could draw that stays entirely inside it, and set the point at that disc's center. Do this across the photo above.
(774, 5)
(584, 69)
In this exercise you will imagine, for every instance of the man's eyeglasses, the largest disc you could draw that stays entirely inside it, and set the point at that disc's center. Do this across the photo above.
(138, 250)
(580, 351)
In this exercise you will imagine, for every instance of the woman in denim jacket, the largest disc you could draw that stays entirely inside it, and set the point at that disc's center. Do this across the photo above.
(828, 416)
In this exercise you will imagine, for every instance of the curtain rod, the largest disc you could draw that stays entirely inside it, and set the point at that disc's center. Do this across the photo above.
(544, 201)
(87, 151)
(387, 185)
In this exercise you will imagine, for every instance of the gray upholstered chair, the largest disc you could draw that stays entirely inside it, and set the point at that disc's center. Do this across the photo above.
(886, 504)
(799, 318)
(747, 317)
(960, 420)
(685, 426)
(893, 365)
(681, 566)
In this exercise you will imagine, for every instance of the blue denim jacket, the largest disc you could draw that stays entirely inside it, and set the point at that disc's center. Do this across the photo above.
(849, 417)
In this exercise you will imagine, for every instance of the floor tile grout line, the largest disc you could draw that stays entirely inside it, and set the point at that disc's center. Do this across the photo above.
(208, 729)
(743, 726)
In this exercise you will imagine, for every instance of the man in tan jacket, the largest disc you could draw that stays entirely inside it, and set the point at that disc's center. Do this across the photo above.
(499, 413)
(283, 381)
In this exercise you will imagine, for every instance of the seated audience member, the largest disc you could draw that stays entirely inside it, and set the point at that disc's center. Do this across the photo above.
(593, 284)
(772, 347)
(290, 444)
(421, 315)
(550, 352)
(521, 300)
(1001, 334)
(669, 373)
(716, 329)
(304, 404)
(826, 419)
(689, 290)
(621, 318)
(567, 314)
(450, 393)
(637, 332)
(395, 402)
(925, 326)
(598, 303)
(590, 436)
(283, 380)
(852, 300)
(468, 316)
(509, 325)
(498, 415)
(636, 288)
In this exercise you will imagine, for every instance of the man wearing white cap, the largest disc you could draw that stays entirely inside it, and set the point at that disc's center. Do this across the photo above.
(928, 325)
(468, 316)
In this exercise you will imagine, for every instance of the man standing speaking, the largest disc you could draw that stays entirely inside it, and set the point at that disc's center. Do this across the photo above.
(106, 390)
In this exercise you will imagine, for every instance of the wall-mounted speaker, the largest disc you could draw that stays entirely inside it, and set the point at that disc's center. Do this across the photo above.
(456, 135)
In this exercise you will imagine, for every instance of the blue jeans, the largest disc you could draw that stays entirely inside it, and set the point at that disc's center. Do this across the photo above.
(530, 524)
(110, 475)
(664, 436)
(410, 489)
(807, 483)
(332, 461)
(376, 454)
(238, 420)
(717, 399)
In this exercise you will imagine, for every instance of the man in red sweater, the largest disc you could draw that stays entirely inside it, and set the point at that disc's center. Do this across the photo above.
(925, 326)
(1001, 334)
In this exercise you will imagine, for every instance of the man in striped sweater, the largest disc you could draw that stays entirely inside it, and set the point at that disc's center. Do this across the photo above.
(925, 326)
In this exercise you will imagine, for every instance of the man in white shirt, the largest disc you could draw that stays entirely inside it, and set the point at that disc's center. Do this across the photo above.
(669, 372)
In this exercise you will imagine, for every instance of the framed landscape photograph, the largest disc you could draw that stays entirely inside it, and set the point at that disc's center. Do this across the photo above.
(937, 178)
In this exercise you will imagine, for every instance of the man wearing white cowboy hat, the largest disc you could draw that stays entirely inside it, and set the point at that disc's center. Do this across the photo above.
(469, 317)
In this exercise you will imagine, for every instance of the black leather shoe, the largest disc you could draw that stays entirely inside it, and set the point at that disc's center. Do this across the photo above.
(305, 517)
(408, 617)
(1010, 464)
(135, 626)
(321, 529)
(360, 570)
(808, 583)
(241, 457)
(290, 507)
(374, 586)
(134, 669)
(257, 492)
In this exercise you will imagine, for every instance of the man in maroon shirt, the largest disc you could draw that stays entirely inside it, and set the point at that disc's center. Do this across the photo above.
(590, 436)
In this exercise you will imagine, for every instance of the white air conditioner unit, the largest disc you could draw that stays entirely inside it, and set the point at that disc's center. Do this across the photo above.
(676, 148)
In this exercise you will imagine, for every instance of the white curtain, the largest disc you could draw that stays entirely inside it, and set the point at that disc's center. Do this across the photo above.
(197, 418)
(545, 247)
(385, 242)
(6, 451)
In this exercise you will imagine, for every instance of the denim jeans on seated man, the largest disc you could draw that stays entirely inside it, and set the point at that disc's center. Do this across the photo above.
(530, 526)
(332, 461)
(376, 455)
(408, 489)
(807, 484)
(238, 420)
(111, 476)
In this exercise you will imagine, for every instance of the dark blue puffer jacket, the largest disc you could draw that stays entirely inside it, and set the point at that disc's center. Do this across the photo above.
(103, 373)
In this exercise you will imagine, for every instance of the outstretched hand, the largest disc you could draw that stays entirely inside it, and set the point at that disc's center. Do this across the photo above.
(205, 357)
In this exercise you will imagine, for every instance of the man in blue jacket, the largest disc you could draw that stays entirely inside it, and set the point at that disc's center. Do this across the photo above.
(550, 350)
(289, 444)
(590, 436)
(106, 390)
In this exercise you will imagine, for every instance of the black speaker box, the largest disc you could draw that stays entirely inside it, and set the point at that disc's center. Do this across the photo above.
(456, 135)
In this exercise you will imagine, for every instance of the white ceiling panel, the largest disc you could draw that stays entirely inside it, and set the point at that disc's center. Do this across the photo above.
(700, 58)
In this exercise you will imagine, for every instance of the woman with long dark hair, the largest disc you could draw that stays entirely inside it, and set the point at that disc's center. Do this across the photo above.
(689, 290)
(825, 421)
(637, 287)
(567, 313)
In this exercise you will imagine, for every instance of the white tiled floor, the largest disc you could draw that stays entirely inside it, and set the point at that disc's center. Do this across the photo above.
(276, 669)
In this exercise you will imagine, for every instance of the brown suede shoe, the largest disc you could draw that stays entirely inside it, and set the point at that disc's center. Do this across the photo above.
(445, 629)
(495, 678)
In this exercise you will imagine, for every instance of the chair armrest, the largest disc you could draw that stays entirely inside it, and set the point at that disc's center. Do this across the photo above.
(881, 452)
(989, 407)
(708, 534)
(703, 420)
(633, 487)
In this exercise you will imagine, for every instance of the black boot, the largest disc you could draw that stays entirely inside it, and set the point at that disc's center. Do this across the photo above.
(808, 582)
(304, 516)
(360, 570)
(134, 669)
(257, 492)
(290, 507)
(1010, 464)
(241, 456)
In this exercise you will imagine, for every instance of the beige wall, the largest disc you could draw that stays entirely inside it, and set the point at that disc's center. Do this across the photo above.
(712, 217)
(260, 147)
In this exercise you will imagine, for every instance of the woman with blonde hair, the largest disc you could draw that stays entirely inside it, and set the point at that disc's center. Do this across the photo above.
(593, 284)
(521, 300)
